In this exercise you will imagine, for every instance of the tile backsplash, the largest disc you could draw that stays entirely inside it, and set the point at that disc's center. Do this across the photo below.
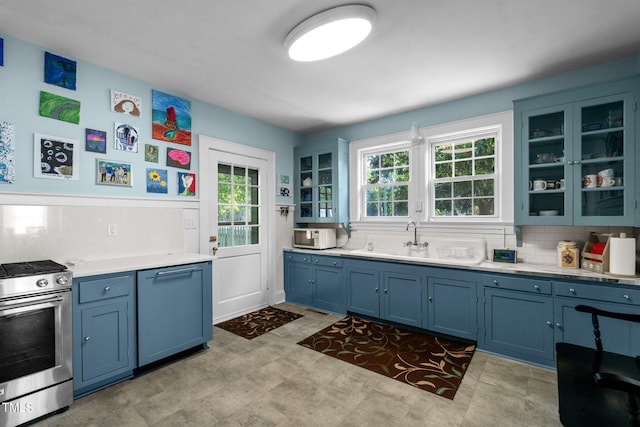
(538, 242)
(65, 233)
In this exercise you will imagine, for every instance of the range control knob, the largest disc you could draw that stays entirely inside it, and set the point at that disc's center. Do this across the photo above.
(62, 280)
(41, 283)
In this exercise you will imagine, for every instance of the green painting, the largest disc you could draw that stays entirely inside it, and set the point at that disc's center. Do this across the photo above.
(59, 108)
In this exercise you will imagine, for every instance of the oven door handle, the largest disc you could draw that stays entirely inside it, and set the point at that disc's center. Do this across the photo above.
(56, 298)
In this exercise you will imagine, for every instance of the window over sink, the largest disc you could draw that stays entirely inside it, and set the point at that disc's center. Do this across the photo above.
(454, 175)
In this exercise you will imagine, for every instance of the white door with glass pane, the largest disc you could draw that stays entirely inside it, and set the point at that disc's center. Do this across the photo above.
(234, 190)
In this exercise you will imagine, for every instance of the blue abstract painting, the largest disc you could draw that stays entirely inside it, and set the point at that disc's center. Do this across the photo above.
(59, 71)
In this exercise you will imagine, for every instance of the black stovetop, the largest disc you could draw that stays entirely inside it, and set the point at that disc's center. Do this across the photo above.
(31, 268)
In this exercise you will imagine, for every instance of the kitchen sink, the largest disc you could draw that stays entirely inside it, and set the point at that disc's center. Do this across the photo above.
(438, 251)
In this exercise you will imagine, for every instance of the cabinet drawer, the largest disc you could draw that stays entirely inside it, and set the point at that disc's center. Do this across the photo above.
(517, 284)
(601, 293)
(326, 261)
(105, 288)
(298, 257)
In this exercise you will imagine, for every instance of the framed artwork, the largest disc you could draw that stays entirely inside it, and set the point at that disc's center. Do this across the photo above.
(59, 71)
(1, 52)
(284, 186)
(186, 184)
(95, 141)
(59, 108)
(125, 137)
(157, 181)
(111, 172)
(7, 152)
(126, 104)
(178, 158)
(151, 153)
(171, 118)
(55, 157)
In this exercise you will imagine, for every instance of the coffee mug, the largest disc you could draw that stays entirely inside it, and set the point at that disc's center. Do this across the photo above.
(607, 181)
(606, 172)
(590, 181)
(552, 184)
(561, 184)
(618, 181)
(539, 184)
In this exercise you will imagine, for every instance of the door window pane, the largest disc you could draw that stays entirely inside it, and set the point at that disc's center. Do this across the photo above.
(238, 206)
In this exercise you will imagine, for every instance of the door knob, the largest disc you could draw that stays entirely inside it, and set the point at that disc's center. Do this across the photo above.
(214, 249)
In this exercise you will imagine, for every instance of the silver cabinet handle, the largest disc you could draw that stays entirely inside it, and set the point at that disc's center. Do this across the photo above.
(317, 261)
(550, 323)
(536, 287)
(558, 325)
(87, 338)
(573, 291)
(625, 296)
(179, 271)
(377, 290)
(107, 288)
(386, 291)
(335, 263)
(430, 299)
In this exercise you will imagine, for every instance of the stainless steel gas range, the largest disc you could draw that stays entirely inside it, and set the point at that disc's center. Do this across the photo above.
(36, 375)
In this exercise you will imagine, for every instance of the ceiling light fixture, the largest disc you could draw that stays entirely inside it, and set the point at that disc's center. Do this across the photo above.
(330, 33)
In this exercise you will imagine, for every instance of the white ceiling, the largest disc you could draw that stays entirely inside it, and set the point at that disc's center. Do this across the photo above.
(420, 53)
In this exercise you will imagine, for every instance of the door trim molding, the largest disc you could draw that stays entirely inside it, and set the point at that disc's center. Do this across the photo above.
(206, 143)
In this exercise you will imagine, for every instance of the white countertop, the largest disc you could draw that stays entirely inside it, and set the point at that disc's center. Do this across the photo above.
(142, 262)
(497, 267)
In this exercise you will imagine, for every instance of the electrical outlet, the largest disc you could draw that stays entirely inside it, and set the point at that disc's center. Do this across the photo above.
(112, 230)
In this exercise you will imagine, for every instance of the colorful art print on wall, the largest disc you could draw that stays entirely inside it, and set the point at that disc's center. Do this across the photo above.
(186, 184)
(157, 181)
(96, 141)
(125, 137)
(284, 186)
(110, 172)
(59, 108)
(171, 117)
(7, 152)
(55, 157)
(59, 71)
(125, 103)
(151, 153)
(178, 158)
(1, 52)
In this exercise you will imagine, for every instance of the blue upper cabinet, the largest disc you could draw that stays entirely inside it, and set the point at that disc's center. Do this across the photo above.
(321, 183)
(576, 152)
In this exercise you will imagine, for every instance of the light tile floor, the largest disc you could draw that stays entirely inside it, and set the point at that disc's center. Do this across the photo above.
(272, 381)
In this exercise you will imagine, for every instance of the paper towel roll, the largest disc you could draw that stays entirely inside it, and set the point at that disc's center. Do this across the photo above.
(622, 256)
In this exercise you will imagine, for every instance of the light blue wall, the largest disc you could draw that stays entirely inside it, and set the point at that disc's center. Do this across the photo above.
(485, 103)
(22, 79)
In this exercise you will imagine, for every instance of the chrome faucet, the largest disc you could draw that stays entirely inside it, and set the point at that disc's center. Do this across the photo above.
(415, 236)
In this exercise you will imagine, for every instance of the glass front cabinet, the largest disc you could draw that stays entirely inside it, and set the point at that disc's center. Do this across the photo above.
(321, 183)
(576, 154)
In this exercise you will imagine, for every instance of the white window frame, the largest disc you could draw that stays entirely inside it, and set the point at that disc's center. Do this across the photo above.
(420, 198)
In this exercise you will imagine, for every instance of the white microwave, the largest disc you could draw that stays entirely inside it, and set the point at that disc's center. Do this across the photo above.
(314, 238)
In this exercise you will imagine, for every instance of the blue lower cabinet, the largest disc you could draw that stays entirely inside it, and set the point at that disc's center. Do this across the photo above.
(519, 324)
(104, 336)
(315, 281)
(571, 326)
(401, 297)
(174, 310)
(452, 305)
(363, 288)
(384, 290)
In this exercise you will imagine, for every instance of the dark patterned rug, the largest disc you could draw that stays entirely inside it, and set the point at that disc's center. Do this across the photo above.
(259, 322)
(430, 363)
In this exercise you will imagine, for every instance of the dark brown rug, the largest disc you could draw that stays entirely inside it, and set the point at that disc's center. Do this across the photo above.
(259, 322)
(429, 363)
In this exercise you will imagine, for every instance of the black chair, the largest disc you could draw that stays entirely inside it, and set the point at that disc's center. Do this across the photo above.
(596, 387)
